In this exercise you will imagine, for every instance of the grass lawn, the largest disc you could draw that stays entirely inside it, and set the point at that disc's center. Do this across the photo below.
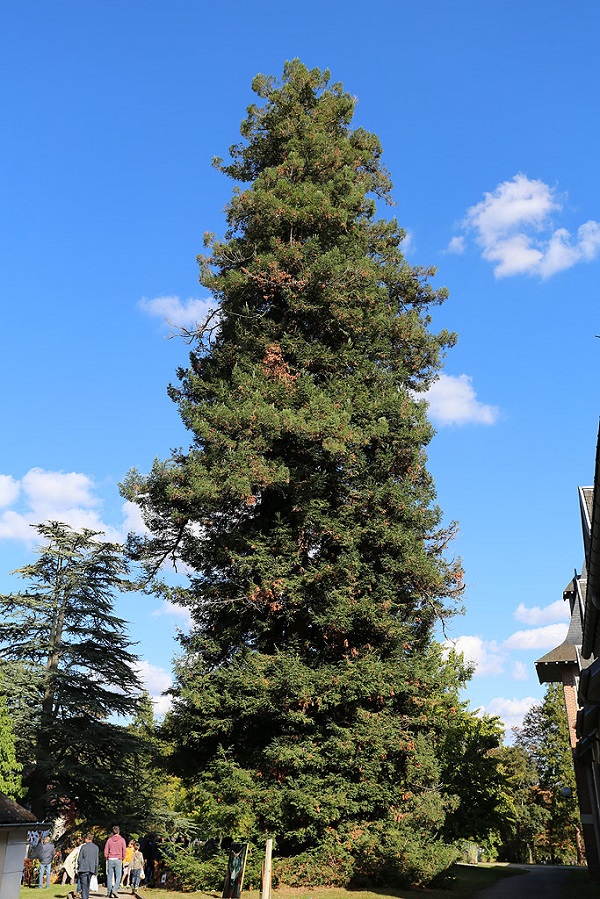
(462, 883)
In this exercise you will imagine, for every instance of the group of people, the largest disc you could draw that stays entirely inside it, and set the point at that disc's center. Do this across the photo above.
(124, 864)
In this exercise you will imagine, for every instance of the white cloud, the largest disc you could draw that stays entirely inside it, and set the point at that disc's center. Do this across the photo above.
(53, 496)
(132, 519)
(514, 256)
(9, 490)
(14, 526)
(58, 490)
(172, 610)
(452, 401)
(564, 252)
(510, 711)
(512, 205)
(514, 228)
(556, 611)
(492, 658)
(457, 245)
(70, 497)
(486, 656)
(19, 526)
(156, 681)
(408, 244)
(538, 638)
(177, 312)
(520, 671)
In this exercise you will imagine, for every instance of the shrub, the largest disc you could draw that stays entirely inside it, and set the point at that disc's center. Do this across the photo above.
(375, 857)
(328, 865)
(194, 871)
(401, 858)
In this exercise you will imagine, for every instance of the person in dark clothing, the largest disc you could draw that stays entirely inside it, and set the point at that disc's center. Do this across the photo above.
(149, 851)
(45, 853)
(87, 865)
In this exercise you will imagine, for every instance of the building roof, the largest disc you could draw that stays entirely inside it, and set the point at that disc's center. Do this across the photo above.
(587, 494)
(12, 813)
(551, 666)
(586, 502)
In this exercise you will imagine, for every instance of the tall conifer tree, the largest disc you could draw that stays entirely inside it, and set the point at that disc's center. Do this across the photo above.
(67, 670)
(310, 695)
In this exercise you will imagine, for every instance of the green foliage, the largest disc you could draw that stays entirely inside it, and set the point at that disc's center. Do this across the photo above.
(545, 738)
(522, 819)
(65, 670)
(144, 803)
(403, 856)
(473, 773)
(197, 870)
(302, 770)
(330, 864)
(10, 769)
(311, 702)
(194, 873)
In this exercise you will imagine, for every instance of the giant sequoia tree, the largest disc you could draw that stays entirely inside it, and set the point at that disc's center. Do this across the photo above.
(310, 695)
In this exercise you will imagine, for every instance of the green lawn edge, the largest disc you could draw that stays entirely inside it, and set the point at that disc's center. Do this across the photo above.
(462, 882)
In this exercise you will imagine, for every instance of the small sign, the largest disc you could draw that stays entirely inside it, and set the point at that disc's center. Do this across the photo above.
(236, 866)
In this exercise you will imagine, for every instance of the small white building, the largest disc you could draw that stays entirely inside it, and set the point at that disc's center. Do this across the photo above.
(15, 824)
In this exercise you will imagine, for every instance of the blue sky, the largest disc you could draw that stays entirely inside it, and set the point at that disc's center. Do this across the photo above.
(487, 113)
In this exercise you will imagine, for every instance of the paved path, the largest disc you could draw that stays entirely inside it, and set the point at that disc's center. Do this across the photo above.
(535, 882)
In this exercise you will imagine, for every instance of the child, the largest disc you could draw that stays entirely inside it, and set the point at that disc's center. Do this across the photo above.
(136, 867)
(127, 862)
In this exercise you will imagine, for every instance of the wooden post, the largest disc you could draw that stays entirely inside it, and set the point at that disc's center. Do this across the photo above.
(266, 882)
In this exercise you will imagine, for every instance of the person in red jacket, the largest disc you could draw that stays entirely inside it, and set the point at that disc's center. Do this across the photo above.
(114, 853)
